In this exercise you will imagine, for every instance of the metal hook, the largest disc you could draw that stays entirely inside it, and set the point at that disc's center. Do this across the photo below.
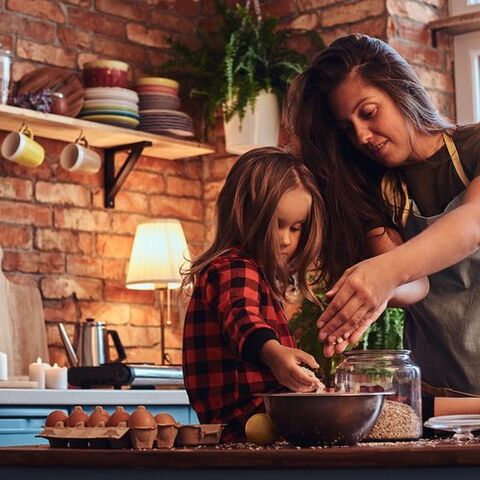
(82, 140)
(26, 129)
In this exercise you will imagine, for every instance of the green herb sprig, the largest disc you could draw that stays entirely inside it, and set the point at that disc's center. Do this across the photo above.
(385, 333)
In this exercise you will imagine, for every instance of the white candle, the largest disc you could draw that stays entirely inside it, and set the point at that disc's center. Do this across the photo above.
(3, 366)
(56, 377)
(36, 372)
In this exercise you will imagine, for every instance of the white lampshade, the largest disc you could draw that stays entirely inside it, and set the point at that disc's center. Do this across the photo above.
(159, 251)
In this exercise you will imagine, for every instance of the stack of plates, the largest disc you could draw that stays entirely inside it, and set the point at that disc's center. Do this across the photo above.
(166, 121)
(112, 105)
(159, 107)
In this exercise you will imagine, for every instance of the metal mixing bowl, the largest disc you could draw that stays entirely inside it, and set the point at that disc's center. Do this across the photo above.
(308, 419)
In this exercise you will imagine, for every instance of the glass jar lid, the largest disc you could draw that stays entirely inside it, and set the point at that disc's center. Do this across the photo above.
(352, 353)
(377, 356)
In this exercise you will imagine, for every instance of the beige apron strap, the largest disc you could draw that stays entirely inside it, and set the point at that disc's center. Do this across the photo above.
(452, 150)
(392, 196)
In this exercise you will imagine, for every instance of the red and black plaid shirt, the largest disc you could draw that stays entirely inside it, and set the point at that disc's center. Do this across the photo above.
(231, 314)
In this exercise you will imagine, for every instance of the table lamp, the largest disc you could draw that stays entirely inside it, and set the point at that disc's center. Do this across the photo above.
(158, 253)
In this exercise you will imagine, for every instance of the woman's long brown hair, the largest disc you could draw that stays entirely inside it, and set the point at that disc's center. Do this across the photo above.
(351, 182)
(245, 219)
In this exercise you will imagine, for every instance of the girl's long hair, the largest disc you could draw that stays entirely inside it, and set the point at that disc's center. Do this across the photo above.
(351, 182)
(245, 219)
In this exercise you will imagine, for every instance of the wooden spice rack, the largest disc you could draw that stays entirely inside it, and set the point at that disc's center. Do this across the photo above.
(108, 137)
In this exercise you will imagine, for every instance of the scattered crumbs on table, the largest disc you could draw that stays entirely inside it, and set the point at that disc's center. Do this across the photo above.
(424, 442)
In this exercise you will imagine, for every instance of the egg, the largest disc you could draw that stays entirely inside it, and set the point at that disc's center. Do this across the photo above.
(55, 417)
(142, 418)
(77, 416)
(164, 419)
(119, 416)
(98, 417)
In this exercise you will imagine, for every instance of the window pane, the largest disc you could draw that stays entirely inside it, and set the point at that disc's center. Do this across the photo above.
(476, 87)
(459, 7)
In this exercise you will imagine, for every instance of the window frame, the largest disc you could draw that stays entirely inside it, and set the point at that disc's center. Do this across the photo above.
(460, 7)
(466, 49)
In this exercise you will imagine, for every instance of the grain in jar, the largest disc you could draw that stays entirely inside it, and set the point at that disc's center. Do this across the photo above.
(386, 371)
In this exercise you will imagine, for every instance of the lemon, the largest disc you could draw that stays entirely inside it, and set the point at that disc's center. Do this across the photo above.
(260, 429)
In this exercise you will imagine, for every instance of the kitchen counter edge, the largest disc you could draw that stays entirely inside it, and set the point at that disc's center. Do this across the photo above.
(92, 397)
(381, 456)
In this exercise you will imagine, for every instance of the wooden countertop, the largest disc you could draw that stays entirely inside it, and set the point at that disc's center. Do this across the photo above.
(424, 453)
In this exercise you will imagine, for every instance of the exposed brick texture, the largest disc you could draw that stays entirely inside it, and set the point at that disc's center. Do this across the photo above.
(54, 230)
(45, 9)
(409, 34)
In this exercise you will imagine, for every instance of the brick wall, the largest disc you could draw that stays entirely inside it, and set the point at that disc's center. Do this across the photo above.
(53, 227)
(408, 33)
(54, 230)
(71, 32)
(56, 234)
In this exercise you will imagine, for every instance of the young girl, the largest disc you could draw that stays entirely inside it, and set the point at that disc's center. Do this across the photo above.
(236, 338)
(394, 170)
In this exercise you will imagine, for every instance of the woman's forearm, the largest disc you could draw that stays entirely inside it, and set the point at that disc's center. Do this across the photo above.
(449, 240)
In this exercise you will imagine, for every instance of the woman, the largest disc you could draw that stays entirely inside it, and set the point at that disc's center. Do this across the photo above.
(392, 170)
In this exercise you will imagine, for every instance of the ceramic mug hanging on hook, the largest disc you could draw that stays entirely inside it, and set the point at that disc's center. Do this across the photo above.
(21, 148)
(77, 157)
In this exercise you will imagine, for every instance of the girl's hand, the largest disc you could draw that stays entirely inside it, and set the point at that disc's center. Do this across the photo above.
(358, 299)
(284, 362)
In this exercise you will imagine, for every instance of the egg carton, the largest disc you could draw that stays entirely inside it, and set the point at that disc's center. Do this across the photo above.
(141, 430)
(163, 436)
(80, 436)
(201, 434)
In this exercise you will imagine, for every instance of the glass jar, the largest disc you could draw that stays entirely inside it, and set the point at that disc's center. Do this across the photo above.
(386, 371)
(5, 66)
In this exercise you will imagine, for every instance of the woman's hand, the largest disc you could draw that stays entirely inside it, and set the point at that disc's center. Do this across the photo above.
(330, 349)
(358, 299)
(284, 362)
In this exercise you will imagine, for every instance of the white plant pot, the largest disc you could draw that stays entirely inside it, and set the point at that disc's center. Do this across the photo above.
(259, 127)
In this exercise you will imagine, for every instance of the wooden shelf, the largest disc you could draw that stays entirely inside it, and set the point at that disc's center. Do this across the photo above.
(67, 129)
(112, 139)
(456, 25)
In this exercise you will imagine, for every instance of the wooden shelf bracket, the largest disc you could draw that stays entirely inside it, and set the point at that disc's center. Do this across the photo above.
(113, 183)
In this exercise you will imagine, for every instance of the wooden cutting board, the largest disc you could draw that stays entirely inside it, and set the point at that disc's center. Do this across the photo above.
(64, 81)
(18, 382)
(23, 335)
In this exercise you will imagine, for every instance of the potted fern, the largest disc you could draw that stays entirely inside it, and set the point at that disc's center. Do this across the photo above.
(243, 67)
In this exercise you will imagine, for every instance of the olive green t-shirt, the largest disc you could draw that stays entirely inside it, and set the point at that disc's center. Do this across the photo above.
(434, 183)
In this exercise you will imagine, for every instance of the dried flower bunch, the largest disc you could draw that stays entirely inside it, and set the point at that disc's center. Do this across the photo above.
(40, 101)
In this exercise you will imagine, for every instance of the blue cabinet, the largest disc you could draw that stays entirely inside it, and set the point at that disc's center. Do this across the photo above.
(18, 426)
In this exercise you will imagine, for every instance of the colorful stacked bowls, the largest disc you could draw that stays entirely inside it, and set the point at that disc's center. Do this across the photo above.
(159, 107)
(106, 73)
(112, 105)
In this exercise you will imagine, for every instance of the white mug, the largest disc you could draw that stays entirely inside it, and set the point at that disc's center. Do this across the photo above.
(77, 157)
